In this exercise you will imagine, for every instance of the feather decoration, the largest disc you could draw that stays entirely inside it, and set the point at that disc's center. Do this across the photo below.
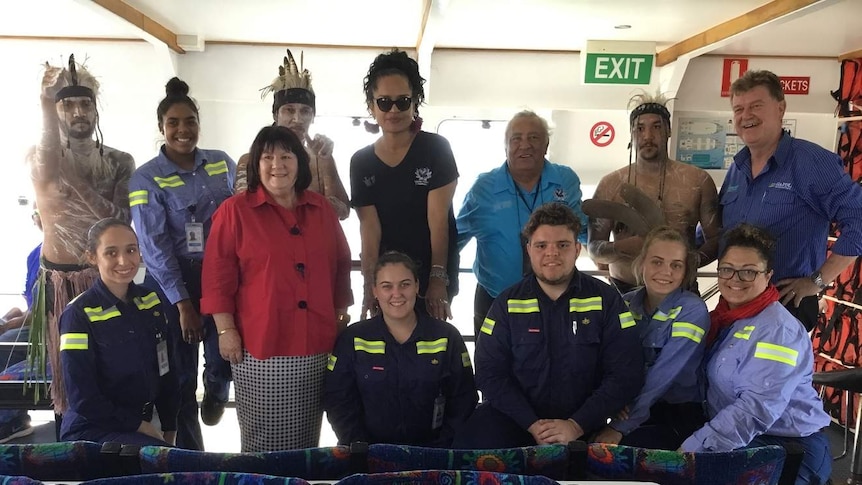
(289, 76)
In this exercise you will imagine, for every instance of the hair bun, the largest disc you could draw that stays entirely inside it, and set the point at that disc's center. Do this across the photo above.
(176, 87)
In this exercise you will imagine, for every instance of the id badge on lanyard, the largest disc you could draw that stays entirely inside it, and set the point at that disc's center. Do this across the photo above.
(194, 234)
(162, 355)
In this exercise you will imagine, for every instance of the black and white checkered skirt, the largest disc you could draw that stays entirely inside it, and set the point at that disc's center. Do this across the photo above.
(279, 401)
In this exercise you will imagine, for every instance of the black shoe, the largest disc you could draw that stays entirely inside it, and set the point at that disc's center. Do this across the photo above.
(16, 428)
(211, 410)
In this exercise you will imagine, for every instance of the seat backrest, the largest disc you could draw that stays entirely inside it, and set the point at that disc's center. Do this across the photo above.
(549, 460)
(435, 477)
(7, 480)
(760, 465)
(329, 463)
(197, 478)
(67, 460)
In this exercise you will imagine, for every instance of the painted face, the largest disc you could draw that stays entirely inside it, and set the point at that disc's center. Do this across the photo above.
(757, 117)
(77, 116)
(396, 291)
(180, 127)
(749, 265)
(650, 136)
(278, 170)
(117, 256)
(526, 145)
(296, 116)
(664, 267)
(392, 88)
(553, 251)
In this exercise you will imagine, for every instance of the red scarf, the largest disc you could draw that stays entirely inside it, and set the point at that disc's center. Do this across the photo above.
(723, 316)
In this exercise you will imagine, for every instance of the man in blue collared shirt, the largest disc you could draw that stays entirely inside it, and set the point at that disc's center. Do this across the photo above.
(794, 189)
(501, 201)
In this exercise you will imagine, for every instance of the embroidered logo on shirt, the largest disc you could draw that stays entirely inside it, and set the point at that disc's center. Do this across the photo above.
(585, 321)
(781, 185)
(559, 194)
(733, 188)
(435, 361)
(422, 176)
(369, 181)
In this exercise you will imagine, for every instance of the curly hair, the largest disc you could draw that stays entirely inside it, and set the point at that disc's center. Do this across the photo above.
(398, 63)
(752, 237)
(552, 214)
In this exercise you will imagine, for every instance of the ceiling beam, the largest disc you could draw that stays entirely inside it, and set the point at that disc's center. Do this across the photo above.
(426, 41)
(760, 16)
(147, 25)
(426, 12)
(851, 55)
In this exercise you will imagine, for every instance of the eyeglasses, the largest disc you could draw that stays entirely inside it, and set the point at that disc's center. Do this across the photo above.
(386, 104)
(746, 275)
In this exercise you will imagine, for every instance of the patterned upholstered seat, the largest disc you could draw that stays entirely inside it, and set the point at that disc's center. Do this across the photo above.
(70, 460)
(749, 466)
(199, 478)
(311, 463)
(549, 460)
(7, 480)
(436, 477)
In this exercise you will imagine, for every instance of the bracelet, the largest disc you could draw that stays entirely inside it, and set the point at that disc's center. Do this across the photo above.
(439, 272)
(222, 332)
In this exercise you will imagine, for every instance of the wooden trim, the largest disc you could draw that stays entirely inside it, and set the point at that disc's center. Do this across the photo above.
(69, 39)
(747, 21)
(306, 46)
(141, 21)
(767, 56)
(850, 55)
(507, 51)
(426, 13)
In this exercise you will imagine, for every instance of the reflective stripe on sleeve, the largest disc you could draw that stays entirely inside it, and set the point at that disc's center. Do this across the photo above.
(745, 333)
(580, 305)
(687, 330)
(369, 346)
(138, 197)
(216, 168)
(523, 306)
(432, 347)
(488, 326)
(778, 353)
(627, 320)
(465, 359)
(330, 363)
(172, 181)
(74, 341)
(97, 314)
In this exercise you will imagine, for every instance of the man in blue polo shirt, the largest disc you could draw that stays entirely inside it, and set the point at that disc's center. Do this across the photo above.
(501, 201)
(794, 189)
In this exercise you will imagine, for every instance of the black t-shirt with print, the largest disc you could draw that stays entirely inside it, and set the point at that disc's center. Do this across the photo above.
(400, 195)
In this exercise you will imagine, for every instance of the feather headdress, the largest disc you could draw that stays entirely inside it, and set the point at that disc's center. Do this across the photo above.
(76, 81)
(644, 103)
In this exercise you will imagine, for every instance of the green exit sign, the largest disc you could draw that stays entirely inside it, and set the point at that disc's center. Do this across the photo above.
(604, 68)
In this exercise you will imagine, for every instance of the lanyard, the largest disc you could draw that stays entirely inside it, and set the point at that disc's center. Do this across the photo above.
(530, 207)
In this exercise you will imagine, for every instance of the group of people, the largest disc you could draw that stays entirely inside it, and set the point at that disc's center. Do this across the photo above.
(251, 260)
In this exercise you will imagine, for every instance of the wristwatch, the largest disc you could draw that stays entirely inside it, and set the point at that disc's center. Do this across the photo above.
(817, 278)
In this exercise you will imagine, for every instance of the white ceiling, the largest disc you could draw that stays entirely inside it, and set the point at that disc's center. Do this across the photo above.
(828, 29)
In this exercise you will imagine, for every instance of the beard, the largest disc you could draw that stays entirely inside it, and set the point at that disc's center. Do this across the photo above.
(562, 280)
(78, 129)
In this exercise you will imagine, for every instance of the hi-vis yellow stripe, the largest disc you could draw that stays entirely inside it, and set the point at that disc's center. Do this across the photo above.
(330, 363)
(687, 330)
(663, 317)
(216, 168)
(74, 341)
(147, 301)
(465, 359)
(488, 326)
(369, 346)
(432, 347)
(138, 197)
(524, 306)
(778, 353)
(627, 320)
(580, 305)
(172, 181)
(745, 333)
(97, 314)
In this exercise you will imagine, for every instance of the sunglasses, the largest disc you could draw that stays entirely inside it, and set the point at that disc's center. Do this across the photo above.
(386, 104)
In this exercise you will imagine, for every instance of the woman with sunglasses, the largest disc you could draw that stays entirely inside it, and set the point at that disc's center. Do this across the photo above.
(402, 187)
(759, 364)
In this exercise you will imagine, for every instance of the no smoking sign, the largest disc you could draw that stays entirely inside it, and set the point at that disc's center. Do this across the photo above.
(602, 134)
